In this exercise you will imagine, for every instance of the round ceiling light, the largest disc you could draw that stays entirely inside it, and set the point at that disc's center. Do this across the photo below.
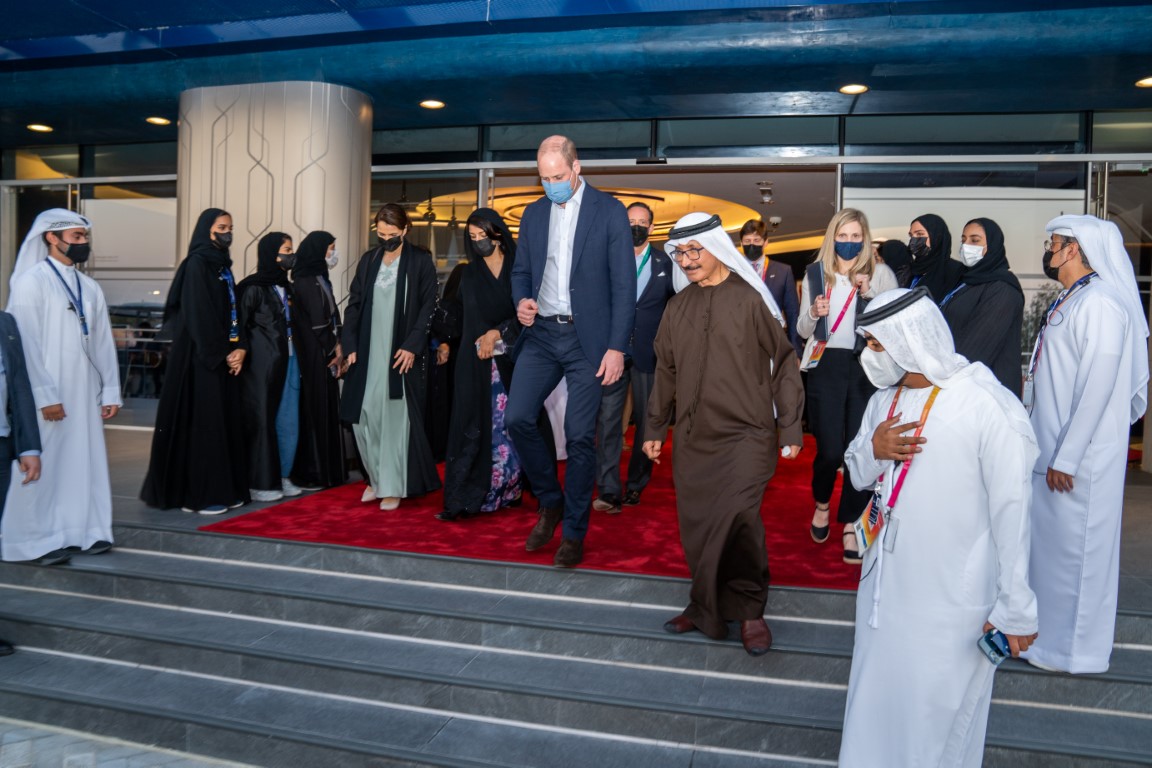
(1145, 82)
(40, 128)
(854, 89)
(158, 120)
(432, 104)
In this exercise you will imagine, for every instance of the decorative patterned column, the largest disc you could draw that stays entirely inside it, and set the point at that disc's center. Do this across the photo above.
(292, 157)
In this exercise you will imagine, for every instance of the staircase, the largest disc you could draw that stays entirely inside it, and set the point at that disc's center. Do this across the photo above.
(285, 654)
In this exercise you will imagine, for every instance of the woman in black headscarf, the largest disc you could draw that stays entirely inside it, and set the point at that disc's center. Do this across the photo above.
(482, 471)
(198, 459)
(986, 312)
(932, 264)
(266, 322)
(320, 452)
(899, 259)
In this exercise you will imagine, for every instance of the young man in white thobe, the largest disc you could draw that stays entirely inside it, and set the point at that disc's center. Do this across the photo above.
(949, 452)
(1087, 383)
(75, 378)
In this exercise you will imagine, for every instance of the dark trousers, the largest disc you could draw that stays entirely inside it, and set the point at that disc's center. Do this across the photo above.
(610, 433)
(838, 393)
(6, 450)
(549, 352)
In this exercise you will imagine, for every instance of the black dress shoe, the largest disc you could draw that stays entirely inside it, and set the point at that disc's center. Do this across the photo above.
(755, 636)
(679, 625)
(55, 557)
(631, 498)
(570, 554)
(545, 526)
(6, 648)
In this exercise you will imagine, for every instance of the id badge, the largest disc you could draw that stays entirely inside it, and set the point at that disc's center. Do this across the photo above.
(1029, 394)
(817, 353)
(890, 536)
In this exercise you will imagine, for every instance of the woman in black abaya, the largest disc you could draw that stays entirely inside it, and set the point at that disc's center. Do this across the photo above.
(198, 458)
(932, 264)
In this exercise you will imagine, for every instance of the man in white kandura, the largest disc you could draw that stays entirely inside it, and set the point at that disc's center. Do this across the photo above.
(1088, 380)
(949, 452)
(63, 320)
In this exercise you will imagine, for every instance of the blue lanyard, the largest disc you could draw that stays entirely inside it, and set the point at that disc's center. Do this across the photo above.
(234, 330)
(75, 299)
(915, 281)
(287, 313)
(1055, 305)
(955, 291)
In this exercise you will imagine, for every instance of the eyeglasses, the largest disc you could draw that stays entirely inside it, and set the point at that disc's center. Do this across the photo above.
(1052, 245)
(692, 254)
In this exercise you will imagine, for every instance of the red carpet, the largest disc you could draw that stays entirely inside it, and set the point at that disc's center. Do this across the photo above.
(643, 539)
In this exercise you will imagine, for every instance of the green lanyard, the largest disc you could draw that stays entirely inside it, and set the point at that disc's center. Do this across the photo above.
(644, 263)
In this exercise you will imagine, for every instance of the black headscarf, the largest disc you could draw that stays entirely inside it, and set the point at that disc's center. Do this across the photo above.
(311, 254)
(994, 265)
(507, 244)
(899, 259)
(937, 270)
(268, 271)
(202, 247)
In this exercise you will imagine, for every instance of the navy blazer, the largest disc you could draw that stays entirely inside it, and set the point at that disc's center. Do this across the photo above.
(602, 283)
(782, 285)
(21, 407)
(649, 310)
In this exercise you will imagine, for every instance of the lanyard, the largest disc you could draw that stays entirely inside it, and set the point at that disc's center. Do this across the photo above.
(955, 291)
(896, 486)
(840, 317)
(287, 313)
(915, 281)
(75, 299)
(764, 271)
(1052, 308)
(234, 329)
(644, 263)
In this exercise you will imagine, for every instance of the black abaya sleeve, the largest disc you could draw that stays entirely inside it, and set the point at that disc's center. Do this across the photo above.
(350, 336)
(423, 292)
(206, 313)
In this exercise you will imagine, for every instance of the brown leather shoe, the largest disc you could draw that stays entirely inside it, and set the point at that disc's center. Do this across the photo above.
(756, 636)
(679, 625)
(570, 554)
(545, 526)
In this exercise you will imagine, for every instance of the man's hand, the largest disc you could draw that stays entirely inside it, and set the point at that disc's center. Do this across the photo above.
(889, 442)
(651, 449)
(611, 367)
(53, 412)
(235, 361)
(442, 353)
(1059, 482)
(30, 466)
(108, 411)
(526, 312)
(790, 452)
(486, 344)
(403, 360)
(1016, 643)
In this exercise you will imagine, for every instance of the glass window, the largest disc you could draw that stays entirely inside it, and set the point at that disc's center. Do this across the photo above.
(426, 145)
(594, 141)
(1122, 132)
(749, 137)
(130, 159)
(42, 162)
(963, 134)
(437, 204)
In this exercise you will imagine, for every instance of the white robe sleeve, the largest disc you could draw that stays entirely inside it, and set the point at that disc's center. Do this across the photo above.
(859, 458)
(25, 303)
(1006, 461)
(1101, 345)
(102, 349)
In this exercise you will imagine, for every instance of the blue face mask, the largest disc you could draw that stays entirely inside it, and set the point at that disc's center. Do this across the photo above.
(558, 192)
(849, 251)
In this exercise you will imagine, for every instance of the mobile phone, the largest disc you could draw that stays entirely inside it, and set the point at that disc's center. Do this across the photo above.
(995, 646)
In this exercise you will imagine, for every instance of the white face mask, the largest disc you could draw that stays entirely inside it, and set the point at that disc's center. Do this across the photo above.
(332, 259)
(880, 368)
(971, 254)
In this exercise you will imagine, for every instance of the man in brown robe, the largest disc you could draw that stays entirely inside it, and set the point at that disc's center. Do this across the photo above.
(726, 370)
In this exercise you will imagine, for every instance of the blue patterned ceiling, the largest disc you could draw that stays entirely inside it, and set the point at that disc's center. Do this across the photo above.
(95, 69)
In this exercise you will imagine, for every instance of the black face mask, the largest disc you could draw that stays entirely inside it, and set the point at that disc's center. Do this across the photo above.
(392, 243)
(753, 252)
(484, 248)
(918, 246)
(77, 253)
(222, 240)
(287, 261)
(1051, 272)
(639, 235)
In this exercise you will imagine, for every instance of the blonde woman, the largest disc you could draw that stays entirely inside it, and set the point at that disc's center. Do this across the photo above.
(845, 272)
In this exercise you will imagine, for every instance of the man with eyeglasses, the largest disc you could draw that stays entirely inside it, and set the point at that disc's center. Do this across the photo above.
(1087, 382)
(574, 285)
(727, 372)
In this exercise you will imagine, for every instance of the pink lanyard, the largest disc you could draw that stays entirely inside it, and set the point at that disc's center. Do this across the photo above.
(843, 311)
(908, 462)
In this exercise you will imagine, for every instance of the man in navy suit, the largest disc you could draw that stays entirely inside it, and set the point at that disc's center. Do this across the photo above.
(19, 433)
(653, 289)
(574, 284)
(777, 276)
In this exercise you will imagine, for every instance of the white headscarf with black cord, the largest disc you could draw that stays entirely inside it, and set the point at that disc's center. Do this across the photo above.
(35, 250)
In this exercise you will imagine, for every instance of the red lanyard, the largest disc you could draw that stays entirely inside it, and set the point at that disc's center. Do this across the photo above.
(908, 462)
(843, 311)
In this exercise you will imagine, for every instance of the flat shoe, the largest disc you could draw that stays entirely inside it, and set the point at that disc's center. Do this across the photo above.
(368, 495)
(678, 625)
(388, 503)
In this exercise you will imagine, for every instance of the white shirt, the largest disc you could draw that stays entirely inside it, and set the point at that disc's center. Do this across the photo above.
(554, 291)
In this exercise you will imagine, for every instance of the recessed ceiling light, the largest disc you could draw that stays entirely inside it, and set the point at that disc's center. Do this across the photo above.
(854, 89)
(40, 128)
(158, 120)
(1144, 83)
(432, 104)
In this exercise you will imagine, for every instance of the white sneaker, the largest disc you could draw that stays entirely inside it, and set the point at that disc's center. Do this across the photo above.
(265, 495)
(369, 494)
(215, 509)
(290, 488)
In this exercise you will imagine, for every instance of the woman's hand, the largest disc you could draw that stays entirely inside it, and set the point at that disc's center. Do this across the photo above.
(819, 308)
(442, 353)
(235, 361)
(403, 360)
(486, 344)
